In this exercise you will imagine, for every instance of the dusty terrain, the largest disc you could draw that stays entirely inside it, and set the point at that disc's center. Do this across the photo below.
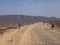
(33, 34)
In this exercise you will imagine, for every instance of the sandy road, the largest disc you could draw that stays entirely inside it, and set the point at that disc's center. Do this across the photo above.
(40, 35)
(34, 34)
(15, 34)
(46, 35)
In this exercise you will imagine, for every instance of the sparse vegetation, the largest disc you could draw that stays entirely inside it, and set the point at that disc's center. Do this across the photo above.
(57, 23)
(4, 27)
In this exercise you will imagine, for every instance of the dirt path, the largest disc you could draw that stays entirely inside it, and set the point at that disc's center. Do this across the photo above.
(34, 34)
(15, 35)
(40, 35)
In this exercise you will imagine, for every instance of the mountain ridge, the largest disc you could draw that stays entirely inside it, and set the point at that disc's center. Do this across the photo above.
(24, 19)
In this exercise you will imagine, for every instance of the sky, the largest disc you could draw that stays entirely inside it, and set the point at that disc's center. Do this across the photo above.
(30, 7)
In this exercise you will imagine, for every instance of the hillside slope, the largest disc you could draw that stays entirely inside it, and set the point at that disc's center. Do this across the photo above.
(23, 19)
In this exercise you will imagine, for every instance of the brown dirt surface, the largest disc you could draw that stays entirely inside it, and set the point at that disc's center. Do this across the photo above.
(33, 34)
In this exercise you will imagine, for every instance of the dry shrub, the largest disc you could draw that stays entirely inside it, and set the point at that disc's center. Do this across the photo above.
(5, 27)
(57, 23)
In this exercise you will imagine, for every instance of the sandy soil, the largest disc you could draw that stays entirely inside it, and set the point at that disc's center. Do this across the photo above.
(33, 34)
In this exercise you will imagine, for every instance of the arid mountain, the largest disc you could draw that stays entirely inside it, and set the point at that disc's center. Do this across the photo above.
(14, 19)
(21, 19)
(54, 18)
